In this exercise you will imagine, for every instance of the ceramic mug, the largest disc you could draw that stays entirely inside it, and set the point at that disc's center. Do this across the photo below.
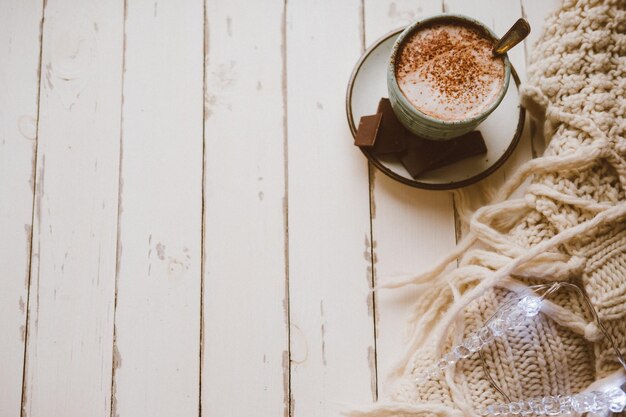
(420, 123)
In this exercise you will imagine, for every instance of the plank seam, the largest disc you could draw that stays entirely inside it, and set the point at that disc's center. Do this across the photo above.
(373, 279)
(32, 228)
(205, 51)
(118, 245)
(531, 123)
(288, 402)
(458, 230)
(370, 169)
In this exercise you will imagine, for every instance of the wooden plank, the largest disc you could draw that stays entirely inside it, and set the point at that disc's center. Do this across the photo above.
(245, 368)
(157, 319)
(412, 228)
(499, 15)
(20, 46)
(331, 311)
(536, 11)
(70, 315)
(382, 17)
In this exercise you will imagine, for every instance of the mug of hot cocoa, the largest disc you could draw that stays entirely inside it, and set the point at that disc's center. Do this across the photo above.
(443, 79)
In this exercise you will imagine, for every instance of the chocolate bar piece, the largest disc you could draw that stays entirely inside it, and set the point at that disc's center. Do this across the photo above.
(392, 136)
(368, 130)
(383, 134)
(426, 155)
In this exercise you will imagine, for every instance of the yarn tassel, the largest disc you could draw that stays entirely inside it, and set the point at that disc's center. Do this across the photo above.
(404, 409)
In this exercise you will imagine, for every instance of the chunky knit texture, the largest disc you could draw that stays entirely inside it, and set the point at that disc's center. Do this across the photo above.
(570, 225)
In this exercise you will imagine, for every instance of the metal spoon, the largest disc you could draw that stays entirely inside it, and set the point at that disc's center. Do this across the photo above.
(515, 35)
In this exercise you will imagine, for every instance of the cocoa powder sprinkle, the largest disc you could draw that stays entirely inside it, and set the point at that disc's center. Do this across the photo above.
(459, 66)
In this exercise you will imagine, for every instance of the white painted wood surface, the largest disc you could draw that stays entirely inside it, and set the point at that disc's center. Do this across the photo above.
(535, 11)
(411, 227)
(499, 15)
(157, 316)
(245, 358)
(330, 304)
(234, 276)
(72, 283)
(19, 94)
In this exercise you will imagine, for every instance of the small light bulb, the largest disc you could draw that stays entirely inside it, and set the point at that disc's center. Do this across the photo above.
(498, 326)
(583, 402)
(530, 305)
(565, 402)
(537, 406)
(514, 316)
(617, 400)
(472, 343)
(461, 352)
(526, 408)
(486, 335)
(515, 408)
(493, 410)
(551, 405)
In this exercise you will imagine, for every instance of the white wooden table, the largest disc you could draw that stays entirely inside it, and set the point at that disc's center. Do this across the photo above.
(185, 226)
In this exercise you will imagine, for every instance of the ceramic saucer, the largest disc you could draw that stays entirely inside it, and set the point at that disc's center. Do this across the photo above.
(501, 130)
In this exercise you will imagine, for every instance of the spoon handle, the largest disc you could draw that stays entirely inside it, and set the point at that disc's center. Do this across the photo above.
(515, 35)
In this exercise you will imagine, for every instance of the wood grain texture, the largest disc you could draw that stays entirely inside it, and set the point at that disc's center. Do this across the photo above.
(536, 11)
(382, 17)
(234, 275)
(157, 318)
(499, 16)
(70, 316)
(412, 228)
(332, 338)
(245, 346)
(20, 46)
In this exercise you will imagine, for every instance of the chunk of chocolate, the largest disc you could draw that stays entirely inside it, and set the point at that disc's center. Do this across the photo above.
(368, 130)
(424, 155)
(383, 134)
(392, 136)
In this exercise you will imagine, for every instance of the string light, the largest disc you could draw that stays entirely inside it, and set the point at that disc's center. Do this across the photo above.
(509, 317)
(613, 400)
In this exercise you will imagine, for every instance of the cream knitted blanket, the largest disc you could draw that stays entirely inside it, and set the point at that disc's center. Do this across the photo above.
(570, 225)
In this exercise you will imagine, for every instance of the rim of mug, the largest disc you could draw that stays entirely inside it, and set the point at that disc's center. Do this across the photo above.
(447, 16)
(440, 186)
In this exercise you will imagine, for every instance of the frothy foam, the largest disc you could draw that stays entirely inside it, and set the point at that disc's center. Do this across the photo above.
(448, 72)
